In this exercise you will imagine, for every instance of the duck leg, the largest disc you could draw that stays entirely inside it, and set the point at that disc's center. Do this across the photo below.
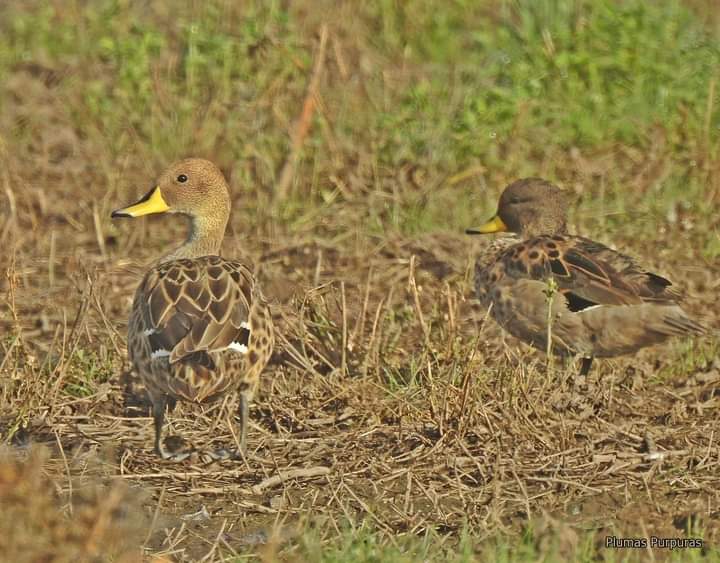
(585, 366)
(243, 411)
(159, 405)
(224, 453)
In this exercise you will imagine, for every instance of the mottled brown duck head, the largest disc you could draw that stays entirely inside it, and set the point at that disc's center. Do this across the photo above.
(528, 207)
(193, 187)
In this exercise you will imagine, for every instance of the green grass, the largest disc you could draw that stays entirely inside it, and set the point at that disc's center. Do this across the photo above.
(503, 85)
(86, 371)
(690, 357)
(548, 543)
(364, 544)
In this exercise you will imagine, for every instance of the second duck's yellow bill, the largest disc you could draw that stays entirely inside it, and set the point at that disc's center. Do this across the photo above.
(494, 225)
(151, 202)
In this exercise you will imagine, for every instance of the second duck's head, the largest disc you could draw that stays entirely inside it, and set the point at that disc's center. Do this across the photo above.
(528, 207)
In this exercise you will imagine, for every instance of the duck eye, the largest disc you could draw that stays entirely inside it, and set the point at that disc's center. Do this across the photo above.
(182, 178)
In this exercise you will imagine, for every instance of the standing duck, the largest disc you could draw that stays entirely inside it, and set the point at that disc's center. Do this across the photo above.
(604, 303)
(199, 325)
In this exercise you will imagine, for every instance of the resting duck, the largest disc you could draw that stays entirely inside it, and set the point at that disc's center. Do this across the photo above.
(604, 303)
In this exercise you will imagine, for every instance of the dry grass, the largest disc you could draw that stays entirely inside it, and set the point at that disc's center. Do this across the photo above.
(392, 401)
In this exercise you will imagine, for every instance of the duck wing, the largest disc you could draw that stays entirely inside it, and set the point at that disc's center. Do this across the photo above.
(588, 273)
(190, 308)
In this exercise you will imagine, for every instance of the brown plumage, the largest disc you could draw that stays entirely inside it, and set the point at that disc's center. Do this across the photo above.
(199, 325)
(605, 304)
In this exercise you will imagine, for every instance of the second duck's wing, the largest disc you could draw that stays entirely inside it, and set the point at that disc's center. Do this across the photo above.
(588, 273)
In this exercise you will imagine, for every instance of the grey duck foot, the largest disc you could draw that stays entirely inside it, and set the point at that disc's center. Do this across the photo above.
(223, 454)
(175, 449)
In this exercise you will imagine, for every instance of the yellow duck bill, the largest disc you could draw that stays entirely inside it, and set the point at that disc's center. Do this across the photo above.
(151, 202)
(494, 225)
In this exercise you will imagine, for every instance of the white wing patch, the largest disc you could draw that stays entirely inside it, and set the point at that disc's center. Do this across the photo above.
(161, 353)
(238, 347)
(149, 331)
(589, 308)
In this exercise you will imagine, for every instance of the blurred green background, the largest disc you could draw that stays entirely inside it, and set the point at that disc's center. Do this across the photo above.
(461, 96)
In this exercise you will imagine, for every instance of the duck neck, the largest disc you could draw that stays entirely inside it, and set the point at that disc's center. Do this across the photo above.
(205, 235)
(544, 226)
